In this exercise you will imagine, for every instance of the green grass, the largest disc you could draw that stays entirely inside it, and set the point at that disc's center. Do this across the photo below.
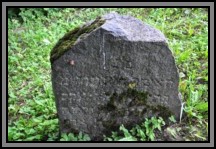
(31, 106)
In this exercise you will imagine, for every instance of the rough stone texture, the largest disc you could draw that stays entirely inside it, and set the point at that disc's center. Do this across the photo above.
(118, 72)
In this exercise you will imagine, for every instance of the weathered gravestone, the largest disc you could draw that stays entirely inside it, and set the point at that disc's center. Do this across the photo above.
(112, 71)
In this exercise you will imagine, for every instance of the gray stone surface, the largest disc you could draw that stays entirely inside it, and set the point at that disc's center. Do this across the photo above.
(119, 72)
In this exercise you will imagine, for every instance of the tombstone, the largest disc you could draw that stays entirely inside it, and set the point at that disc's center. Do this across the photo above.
(111, 71)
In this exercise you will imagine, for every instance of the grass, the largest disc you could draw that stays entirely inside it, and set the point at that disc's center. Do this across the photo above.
(31, 107)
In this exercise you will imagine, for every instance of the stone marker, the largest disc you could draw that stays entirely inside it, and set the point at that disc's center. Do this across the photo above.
(112, 71)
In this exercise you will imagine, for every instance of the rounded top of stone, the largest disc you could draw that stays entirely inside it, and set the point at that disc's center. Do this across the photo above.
(131, 28)
(124, 27)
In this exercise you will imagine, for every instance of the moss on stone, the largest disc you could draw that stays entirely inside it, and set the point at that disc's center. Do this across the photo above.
(162, 111)
(140, 98)
(137, 98)
(110, 124)
(69, 39)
